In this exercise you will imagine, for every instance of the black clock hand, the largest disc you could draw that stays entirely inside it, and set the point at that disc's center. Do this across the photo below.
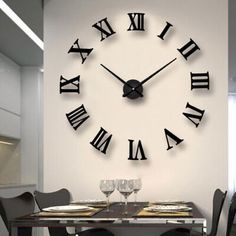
(122, 81)
(150, 76)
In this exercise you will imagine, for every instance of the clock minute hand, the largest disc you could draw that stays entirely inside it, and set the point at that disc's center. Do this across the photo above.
(122, 81)
(149, 77)
(156, 72)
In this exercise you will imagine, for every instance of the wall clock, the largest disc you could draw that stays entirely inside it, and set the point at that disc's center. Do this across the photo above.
(133, 91)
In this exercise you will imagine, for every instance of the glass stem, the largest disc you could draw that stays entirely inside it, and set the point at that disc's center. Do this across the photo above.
(108, 203)
(126, 206)
(135, 198)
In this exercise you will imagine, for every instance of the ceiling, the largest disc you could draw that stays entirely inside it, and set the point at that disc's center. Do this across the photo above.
(14, 43)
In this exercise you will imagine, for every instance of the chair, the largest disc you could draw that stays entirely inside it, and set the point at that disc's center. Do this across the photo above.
(231, 215)
(62, 197)
(11, 208)
(218, 201)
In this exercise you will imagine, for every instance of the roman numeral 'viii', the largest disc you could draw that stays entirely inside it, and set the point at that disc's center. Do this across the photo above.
(137, 21)
(194, 117)
(139, 151)
(173, 137)
(100, 142)
(77, 117)
(105, 28)
(84, 52)
(69, 86)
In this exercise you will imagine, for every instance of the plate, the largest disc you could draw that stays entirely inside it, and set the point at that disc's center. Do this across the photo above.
(89, 201)
(169, 202)
(67, 208)
(167, 208)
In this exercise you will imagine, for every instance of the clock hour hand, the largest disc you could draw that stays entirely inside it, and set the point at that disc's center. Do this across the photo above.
(126, 84)
(149, 77)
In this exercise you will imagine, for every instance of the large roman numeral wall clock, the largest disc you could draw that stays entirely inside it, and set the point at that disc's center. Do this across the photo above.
(122, 89)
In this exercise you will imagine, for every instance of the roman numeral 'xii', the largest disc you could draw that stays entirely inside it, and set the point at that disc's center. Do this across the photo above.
(137, 21)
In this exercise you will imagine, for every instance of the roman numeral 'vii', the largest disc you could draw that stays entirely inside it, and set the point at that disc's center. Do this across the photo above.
(100, 142)
(137, 21)
(84, 52)
(196, 116)
(139, 151)
(77, 117)
(169, 135)
(105, 28)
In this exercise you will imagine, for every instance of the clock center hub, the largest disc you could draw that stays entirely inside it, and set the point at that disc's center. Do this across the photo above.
(133, 89)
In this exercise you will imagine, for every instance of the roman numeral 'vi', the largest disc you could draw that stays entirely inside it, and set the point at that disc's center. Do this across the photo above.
(139, 151)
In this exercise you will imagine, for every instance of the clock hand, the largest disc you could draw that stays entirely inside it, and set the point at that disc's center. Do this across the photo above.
(150, 76)
(122, 81)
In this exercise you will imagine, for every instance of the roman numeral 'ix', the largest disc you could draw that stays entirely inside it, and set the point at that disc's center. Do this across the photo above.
(69, 86)
(100, 142)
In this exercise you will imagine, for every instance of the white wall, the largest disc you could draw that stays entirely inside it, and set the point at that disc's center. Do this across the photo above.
(190, 172)
(31, 79)
(10, 93)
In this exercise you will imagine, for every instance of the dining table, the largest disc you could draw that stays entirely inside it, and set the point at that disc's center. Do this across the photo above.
(137, 215)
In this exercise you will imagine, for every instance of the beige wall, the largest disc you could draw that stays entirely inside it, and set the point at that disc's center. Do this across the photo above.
(190, 171)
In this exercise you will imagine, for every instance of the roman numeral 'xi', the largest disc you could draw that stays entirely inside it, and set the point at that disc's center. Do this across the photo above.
(84, 52)
(69, 86)
(100, 142)
(77, 117)
(105, 28)
(173, 137)
(188, 49)
(139, 151)
(137, 21)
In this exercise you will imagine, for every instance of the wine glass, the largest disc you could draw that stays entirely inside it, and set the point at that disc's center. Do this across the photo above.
(107, 186)
(117, 187)
(125, 187)
(137, 186)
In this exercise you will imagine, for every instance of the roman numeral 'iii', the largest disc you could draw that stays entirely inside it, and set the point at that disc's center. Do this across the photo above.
(168, 135)
(100, 142)
(139, 151)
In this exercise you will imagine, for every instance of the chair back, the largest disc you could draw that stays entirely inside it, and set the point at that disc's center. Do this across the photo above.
(11, 208)
(57, 198)
(218, 201)
(231, 215)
